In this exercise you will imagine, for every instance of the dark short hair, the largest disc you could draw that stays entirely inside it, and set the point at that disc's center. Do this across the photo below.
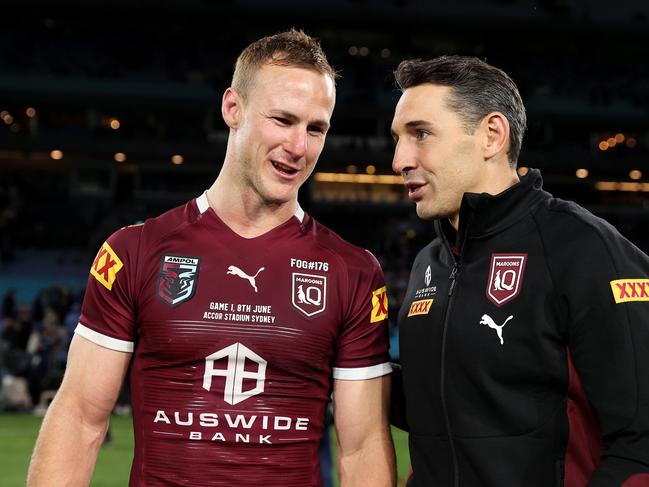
(477, 89)
(292, 48)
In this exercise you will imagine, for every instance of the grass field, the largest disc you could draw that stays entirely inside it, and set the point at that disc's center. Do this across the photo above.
(18, 433)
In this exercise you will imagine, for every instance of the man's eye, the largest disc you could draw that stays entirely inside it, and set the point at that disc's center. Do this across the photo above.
(281, 120)
(422, 134)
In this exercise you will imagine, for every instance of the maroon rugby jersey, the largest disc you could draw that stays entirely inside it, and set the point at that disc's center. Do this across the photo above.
(235, 342)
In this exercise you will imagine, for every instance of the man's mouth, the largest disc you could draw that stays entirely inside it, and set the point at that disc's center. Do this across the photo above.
(284, 169)
(415, 189)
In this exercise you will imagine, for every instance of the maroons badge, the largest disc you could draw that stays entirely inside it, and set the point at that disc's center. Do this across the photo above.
(505, 277)
(309, 293)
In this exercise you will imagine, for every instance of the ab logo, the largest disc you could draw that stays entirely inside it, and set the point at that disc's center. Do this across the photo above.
(243, 364)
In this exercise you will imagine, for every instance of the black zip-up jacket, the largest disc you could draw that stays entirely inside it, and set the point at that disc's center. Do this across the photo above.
(488, 340)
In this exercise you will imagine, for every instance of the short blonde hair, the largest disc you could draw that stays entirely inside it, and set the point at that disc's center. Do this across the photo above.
(291, 48)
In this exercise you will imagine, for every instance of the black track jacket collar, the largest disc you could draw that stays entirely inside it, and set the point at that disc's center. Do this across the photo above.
(489, 214)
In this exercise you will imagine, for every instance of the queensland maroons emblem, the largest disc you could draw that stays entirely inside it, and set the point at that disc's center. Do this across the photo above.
(309, 293)
(505, 277)
(178, 278)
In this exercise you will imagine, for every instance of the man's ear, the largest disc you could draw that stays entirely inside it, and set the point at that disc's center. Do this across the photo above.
(496, 134)
(231, 108)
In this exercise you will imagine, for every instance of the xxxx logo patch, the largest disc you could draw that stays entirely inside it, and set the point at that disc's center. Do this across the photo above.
(626, 290)
(379, 305)
(106, 266)
(421, 307)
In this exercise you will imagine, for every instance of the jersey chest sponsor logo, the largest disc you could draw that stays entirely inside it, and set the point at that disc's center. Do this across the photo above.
(505, 277)
(421, 307)
(379, 305)
(242, 364)
(627, 290)
(309, 293)
(241, 374)
(106, 266)
(178, 279)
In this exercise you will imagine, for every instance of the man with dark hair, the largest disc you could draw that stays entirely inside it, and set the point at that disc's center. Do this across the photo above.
(237, 313)
(524, 334)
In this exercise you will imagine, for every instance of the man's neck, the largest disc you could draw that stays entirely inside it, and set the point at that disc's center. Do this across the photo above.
(244, 211)
(496, 180)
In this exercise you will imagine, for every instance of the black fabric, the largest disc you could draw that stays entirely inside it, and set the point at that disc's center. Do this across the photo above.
(495, 412)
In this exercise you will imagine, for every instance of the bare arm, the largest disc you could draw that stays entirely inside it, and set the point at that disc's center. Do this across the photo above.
(366, 452)
(75, 424)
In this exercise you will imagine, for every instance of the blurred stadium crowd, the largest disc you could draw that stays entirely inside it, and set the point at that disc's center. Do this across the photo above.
(109, 114)
(33, 346)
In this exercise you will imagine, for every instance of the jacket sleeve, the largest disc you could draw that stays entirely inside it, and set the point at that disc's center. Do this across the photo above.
(603, 283)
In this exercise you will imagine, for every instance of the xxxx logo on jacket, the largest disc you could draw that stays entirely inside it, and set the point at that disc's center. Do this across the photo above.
(505, 277)
(178, 278)
(627, 290)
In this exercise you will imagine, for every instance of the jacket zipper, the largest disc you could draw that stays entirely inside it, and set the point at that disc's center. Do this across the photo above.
(452, 277)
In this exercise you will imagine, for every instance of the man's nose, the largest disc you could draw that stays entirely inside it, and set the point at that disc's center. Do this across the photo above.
(402, 162)
(296, 142)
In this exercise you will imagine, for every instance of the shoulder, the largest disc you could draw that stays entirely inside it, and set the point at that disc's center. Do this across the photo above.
(171, 221)
(561, 215)
(572, 230)
(429, 248)
(433, 253)
(131, 238)
(162, 226)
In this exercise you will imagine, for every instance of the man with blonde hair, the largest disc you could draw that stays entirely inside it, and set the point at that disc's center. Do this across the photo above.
(230, 368)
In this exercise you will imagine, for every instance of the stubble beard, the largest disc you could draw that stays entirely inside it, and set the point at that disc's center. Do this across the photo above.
(252, 182)
(432, 211)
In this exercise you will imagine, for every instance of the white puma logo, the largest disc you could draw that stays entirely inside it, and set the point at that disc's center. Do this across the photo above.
(234, 270)
(487, 320)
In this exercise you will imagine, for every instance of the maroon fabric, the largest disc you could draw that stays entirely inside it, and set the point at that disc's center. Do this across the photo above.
(584, 449)
(638, 480)
(229, 385)
(451, 237)
(456, 250)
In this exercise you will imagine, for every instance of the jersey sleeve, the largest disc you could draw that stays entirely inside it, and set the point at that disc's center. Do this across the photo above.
(108, 310)
(605, 297)
(363, 343)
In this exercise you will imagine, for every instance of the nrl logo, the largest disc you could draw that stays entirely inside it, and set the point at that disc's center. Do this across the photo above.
(178, 279)
(309, 293)
(505, 277)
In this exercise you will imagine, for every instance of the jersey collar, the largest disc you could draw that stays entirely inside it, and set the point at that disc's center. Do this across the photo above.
(203, 204)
